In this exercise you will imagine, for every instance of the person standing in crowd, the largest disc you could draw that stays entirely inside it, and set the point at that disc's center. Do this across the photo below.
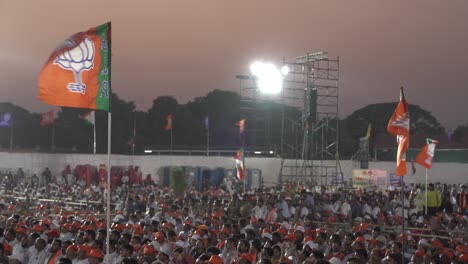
(35, 181)
(433, 200)
(47, 176)
(462, 200)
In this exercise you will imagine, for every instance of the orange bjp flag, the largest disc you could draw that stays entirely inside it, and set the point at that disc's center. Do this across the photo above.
(169, 122)
(399, 126)
(426, 155)
(77, 73)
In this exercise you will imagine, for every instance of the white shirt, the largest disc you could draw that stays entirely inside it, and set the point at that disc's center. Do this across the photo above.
(113, 258)
(285, 209)
(80, 261)
(39, 257)
(366, 209)
(303, 213)
(345, 208)
(20, 253)
(335, 207)
(13, 242)
(375, 212)
(259, 212)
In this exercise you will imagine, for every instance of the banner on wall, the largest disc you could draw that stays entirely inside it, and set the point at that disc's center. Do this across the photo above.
(370, 180)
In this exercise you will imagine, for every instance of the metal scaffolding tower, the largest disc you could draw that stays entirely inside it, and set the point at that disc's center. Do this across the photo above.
(309, 119)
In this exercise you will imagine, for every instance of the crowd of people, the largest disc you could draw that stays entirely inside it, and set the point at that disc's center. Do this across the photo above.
(218, 225)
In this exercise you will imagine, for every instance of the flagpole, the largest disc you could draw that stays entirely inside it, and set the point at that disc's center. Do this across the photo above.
(171, 141)
(402, 217)
(207, 141)
(11, 134)
(427, 172)
(109, 126)
(134, 133)
(109, 129)
(53, 137)
(94, 134)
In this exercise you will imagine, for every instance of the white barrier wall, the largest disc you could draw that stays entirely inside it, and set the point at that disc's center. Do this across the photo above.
(37, 162)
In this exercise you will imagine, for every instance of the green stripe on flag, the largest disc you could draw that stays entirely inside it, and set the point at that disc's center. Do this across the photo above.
(104, 93)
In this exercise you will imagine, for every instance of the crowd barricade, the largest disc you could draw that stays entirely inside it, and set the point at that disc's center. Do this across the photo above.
(347, 227)
(201, 178)
(32, 205)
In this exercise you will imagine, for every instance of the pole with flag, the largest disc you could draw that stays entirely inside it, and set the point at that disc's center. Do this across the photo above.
(241, 125)
(240, 165)
(48, 118)
(90, 118)
(206, 124)
(6, 120)
(11, 133)
(425, 157)
(78, 74)
(399, 126)
(134, 133)
(169, 127)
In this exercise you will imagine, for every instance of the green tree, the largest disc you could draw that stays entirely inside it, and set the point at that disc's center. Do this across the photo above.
(355, 125)
(26, 128)
(460, 134)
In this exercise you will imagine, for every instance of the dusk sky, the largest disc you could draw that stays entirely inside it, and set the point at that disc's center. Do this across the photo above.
(188, 48)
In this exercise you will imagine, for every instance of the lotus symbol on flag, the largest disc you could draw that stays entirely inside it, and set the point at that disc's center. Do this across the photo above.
(78, 59)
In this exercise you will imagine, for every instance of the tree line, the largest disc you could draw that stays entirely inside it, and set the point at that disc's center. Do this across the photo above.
(222, 108)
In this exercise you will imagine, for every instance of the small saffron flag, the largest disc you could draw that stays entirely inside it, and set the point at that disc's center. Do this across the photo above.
(241, 125)
(239, 157)
(6, 119)
(399, 126)
(77, 73)
(426, 155)
(48, 118)
(89, 117)
(169, 122)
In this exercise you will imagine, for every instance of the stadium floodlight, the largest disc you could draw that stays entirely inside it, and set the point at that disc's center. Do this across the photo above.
(269, 77)
(148, 151)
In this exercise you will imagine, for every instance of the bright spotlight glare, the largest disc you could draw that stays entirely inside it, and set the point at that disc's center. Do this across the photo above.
(256, 68)
(269, 77)
(285, 70)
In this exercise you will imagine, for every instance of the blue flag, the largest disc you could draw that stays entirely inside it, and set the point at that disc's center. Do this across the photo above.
(205, 123)
(6, 119)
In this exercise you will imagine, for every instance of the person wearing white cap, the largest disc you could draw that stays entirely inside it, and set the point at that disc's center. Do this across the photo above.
(335, 260)
(165, 253)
